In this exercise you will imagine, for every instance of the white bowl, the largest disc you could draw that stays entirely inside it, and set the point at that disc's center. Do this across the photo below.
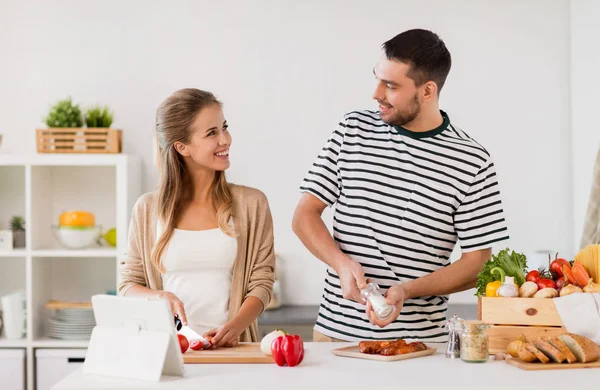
(76, 237)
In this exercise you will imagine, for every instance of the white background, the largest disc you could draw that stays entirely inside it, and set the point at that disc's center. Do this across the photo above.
(524, 83)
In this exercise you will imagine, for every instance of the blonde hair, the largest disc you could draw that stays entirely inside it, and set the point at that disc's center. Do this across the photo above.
(174, 119)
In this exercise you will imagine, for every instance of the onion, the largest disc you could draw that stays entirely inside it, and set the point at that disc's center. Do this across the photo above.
(514, 346)
(570, 289)
(592, 287)
(265, 343)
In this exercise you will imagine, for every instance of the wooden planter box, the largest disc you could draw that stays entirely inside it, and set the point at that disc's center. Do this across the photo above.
(509, 317)
(79, 140)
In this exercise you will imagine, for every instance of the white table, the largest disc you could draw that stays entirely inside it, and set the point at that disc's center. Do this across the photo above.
(323, 370)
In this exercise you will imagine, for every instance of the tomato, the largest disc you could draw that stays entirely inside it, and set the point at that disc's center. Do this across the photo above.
(556, 267)
(197, 344)
(546, 283)
(183, 342)
(533, 276)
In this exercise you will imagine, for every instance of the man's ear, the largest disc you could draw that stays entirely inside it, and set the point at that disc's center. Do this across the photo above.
(181, 148)
(430, 90)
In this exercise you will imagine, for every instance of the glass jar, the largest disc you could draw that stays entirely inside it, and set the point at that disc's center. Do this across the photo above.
(474, 341)
(372, 295)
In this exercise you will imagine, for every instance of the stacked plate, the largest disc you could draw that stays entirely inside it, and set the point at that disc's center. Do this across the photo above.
(72, 324)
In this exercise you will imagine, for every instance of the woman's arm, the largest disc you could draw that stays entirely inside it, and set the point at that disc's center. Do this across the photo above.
(260, 286)
(133, 273)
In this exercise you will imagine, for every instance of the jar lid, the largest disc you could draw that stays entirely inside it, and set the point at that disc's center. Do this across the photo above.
(474, 325)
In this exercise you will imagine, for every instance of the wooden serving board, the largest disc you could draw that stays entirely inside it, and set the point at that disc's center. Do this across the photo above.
(242, 353)
(550, 366)
(352, 352)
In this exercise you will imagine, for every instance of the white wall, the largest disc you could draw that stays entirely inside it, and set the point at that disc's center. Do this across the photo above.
(287, 72)
(585, 93)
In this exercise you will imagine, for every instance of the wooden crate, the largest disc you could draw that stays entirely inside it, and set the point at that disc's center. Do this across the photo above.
(509, 317)
(79, 140)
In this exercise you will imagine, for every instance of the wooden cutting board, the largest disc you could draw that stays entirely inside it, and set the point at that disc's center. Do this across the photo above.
(242, 353)
(550, 366)
(352, 352)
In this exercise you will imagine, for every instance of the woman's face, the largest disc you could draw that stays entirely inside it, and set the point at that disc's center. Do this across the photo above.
(209, 142)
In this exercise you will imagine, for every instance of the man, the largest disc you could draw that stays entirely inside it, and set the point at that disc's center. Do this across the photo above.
(407, 184)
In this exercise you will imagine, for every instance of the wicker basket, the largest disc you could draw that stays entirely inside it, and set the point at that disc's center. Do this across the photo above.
(79, 140)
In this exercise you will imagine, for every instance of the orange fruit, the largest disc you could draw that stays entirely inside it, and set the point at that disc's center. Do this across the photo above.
(77, 218)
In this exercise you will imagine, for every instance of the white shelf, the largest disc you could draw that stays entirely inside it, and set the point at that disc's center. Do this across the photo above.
(14, 253)
(19, 343)
(40, 187)
(109, 252)
(48, 342)
(63, 160)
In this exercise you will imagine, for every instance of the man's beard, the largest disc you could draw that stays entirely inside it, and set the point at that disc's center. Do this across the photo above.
(407, 116)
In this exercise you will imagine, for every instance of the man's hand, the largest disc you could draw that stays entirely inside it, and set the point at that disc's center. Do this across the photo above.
(394, 296)
(352, 280)
(226, 336)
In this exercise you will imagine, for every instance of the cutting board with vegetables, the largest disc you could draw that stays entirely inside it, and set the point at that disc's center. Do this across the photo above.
(242, 353)
(353, 352)
(550, 366)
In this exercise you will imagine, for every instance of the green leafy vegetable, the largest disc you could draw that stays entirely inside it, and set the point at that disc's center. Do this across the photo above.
(514, 264)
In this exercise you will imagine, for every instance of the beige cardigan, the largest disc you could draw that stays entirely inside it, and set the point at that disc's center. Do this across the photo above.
(254, 266)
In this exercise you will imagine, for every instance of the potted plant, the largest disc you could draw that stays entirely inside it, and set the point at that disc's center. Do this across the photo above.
(98, 117)
(17, 225)
(64, 114)
(66, 134)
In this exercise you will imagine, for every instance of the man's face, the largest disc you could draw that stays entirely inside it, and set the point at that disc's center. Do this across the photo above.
(396, 93)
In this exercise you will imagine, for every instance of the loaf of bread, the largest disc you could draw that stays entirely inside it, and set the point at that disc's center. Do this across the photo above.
(538, 354)
(583, 348)
(562, 347)
(550, 350)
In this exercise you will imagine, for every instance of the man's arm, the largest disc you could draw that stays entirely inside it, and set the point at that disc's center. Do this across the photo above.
(458, 276)
(312, 231)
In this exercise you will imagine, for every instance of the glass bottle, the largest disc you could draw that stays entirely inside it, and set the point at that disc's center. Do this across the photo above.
(373, 295)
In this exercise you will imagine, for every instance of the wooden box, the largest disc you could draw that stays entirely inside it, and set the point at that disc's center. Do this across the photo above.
(79, 140)
(509, 317)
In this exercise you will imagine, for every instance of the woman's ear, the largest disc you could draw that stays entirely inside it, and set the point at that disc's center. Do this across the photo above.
(182, 149)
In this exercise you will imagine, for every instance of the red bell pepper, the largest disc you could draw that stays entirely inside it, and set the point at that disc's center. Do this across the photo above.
(288, 350)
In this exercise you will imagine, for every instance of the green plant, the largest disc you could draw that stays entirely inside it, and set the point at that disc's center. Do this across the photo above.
(98, 117)
(64, 114)
(17, 223)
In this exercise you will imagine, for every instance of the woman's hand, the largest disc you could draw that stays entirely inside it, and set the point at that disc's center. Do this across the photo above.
(225, 336)
(175, 304)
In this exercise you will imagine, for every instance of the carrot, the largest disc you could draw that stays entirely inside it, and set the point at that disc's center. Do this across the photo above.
(568, 274)
(581, 275)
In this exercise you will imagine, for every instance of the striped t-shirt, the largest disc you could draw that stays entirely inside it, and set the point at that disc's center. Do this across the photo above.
(402, 200)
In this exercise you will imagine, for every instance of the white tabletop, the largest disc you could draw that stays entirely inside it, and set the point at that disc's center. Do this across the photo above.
(323, 370)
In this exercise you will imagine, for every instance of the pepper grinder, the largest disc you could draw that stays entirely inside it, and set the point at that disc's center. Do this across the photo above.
(453, 348)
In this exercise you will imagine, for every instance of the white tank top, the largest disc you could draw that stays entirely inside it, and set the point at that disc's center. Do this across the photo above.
(198, 268)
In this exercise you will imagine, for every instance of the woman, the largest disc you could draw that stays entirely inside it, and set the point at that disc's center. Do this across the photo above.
(204, 245)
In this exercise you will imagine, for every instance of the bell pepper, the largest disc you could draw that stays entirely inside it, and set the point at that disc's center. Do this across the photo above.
(288, 350)
(492, 287)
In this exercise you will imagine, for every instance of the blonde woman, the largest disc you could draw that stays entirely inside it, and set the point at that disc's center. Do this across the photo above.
(204, 245)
